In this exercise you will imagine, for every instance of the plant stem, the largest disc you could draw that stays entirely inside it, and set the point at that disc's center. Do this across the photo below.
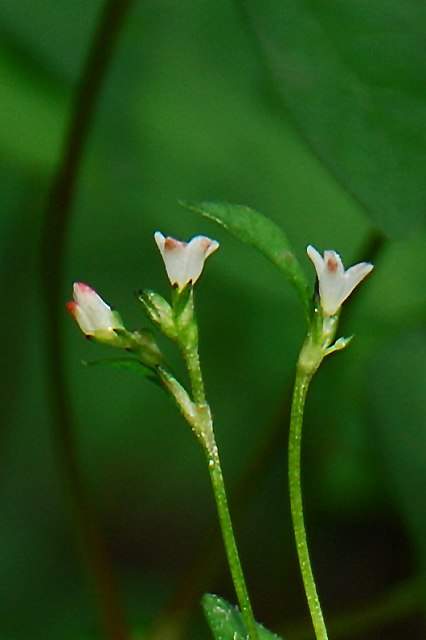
(189, 587)
(303, 379)
(205, 428)
(192, 360)
(230, 543)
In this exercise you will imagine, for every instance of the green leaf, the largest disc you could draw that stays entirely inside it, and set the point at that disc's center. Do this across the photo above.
(352, 76)
(131, 364)
(226, 622)
(259, 232)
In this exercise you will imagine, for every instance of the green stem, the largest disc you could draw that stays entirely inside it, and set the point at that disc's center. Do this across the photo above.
(230, 543)
(303, 379)
(187, 328)
(173, 619)
(206, 436)
(192, 360)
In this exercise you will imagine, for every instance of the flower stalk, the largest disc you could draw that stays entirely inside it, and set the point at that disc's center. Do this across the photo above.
(234, 562)
(184, 263)
(334, 285)
(294, 478)
(202, 424)
(317, 345)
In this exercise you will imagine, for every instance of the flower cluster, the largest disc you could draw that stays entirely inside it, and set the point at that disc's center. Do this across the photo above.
(184, 262)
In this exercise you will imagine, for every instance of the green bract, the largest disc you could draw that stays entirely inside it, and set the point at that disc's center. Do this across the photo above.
(226, 622)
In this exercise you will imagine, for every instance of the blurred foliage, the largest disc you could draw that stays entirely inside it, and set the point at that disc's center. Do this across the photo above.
(351, 75)
(187, 113)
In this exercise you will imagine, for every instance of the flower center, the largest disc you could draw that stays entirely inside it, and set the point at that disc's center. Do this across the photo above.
(332, 265)
(171, 243)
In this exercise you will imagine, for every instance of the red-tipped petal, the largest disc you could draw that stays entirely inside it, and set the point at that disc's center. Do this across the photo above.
(72, 308)
(83, 288)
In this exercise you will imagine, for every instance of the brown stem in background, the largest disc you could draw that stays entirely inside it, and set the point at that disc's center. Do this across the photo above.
(207, 562)
(57, 217)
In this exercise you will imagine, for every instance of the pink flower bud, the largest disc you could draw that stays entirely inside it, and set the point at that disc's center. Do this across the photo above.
(92, 314)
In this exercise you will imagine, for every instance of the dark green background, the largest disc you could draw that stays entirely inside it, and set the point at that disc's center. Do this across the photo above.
(193, 110)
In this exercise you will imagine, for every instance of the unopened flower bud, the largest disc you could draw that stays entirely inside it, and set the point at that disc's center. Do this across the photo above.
(95, 318)
(159, 311)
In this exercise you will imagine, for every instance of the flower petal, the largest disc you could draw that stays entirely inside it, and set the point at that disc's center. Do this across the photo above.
(335, 284)
(184, 262)
(197, 251)
(354, 275)
(316, 258)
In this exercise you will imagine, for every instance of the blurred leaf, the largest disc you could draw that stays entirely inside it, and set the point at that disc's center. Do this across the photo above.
(131, 364)
(259, 232)
(352, 76)
(226, 622)
(397, 394)
(31, 117)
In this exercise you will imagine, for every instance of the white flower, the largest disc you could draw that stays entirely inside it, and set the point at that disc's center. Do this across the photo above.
(184, 261)
(336, 284)
(92, 314)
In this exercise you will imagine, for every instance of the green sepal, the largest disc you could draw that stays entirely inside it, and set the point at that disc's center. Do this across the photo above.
(118, 337)
(118, 321)
(180, 300)
(184, 316)
(226, 622)
(340, 344)
(259, 232)
(131, 364)
(159, 311)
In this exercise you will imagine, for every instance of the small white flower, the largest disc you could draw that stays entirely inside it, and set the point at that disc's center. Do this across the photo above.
(184, 261)
(336, 284)
(92, 314)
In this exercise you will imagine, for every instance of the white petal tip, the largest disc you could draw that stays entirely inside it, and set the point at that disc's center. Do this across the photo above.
(159, 239)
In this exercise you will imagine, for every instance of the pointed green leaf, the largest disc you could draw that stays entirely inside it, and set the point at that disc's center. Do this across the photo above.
(226, 622)
(259, 232)
(351, 74)
(131, 364)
